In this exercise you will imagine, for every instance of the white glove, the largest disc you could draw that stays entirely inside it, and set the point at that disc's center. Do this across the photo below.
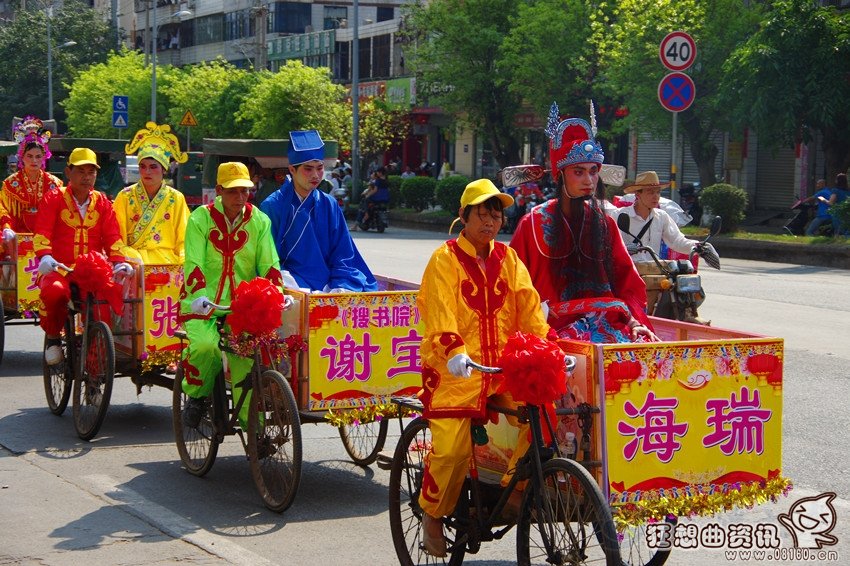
(48, 265)
(201, 306)
(544, 308)
(123, 267)
(340, 290)
(289, 281)
(8, 234)
(457, 365)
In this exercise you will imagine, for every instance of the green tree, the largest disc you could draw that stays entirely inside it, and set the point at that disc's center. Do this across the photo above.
(790, 79)
(457, 63)
(89, 102)
(23, 50)
(381, 127)
(294, 98)
(632, 70)
(214, 79)
(552, 51)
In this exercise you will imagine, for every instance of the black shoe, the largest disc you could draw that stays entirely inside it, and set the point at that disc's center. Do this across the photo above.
(193, 412)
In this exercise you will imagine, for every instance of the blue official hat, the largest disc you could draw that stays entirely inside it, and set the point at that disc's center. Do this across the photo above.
(304, 146)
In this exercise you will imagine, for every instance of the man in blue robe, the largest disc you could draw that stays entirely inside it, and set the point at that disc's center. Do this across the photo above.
(309, 229)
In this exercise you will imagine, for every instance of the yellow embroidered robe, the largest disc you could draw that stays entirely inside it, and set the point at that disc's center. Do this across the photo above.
(155, 228)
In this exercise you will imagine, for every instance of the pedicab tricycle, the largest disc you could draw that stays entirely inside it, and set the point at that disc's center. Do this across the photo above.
(337, 359)
(98, 345)
(688, 426)
(18, 291)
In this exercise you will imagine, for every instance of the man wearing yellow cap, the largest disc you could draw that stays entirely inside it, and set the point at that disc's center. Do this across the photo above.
(227, 242)
(151, 215)
(475, 293)
(71, 221)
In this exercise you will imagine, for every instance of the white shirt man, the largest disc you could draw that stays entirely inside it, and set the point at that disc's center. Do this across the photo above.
(647, 190)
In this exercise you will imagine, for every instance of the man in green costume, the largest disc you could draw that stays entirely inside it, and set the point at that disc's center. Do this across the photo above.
(227, 242)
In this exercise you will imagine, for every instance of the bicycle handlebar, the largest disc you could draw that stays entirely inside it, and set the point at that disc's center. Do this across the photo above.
(287, 302)
(569, 365)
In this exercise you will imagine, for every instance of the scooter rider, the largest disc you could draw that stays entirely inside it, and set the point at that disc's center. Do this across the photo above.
(650, 225)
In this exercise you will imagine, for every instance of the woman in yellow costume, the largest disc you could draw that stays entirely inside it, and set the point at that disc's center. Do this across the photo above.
(152, 216)
(22, 191)
(475, 293)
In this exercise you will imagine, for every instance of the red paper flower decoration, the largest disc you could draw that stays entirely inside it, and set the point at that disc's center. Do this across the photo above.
(256, 308)
(93, 274)
(532, 370)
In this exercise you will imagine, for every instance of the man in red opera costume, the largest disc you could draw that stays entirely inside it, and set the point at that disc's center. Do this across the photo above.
(574, 252)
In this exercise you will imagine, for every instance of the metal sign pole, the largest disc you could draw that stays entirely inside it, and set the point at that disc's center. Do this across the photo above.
(674, 190)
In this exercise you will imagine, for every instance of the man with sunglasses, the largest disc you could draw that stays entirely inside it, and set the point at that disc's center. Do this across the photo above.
(312, 238)
(227, 242)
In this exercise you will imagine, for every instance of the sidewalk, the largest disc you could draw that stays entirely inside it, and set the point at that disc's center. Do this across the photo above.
(821, 255)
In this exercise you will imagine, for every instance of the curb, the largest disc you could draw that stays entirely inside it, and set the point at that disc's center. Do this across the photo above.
(821, 255)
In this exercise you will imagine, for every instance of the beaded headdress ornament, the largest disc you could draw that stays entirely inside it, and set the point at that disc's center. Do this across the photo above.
(163, 144)
(31, 130)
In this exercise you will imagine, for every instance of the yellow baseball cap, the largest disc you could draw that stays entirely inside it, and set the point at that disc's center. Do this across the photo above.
(478, 191)
(83, 156)
(233, 174)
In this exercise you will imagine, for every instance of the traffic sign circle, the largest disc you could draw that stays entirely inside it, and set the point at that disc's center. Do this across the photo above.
(676, 92)
(677, 51)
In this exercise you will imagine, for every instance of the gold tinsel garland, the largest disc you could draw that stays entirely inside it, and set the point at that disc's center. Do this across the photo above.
(367, 414)
(745, 496)
(160, 358)
(29, 309)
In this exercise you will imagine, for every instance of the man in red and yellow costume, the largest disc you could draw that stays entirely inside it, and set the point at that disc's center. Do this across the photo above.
(574, 252)
(475, 293)
(72, 221)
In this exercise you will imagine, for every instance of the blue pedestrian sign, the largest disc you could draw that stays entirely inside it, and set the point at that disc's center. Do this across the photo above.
(676, 92)
(120, 111)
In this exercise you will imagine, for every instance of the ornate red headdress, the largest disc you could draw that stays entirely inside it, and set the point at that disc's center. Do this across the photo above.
(571, 141)
(31, 130)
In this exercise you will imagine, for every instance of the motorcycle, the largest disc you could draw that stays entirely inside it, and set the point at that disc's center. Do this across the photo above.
(378, 218)
(674, 289)
(341, 196)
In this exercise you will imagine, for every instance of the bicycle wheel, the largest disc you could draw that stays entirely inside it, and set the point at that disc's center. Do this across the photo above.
(274, 440)
(363, 441)
(405, 513)
(198, 446)
(570, 524)
(59, 378)
(635, 551)
(93, 388)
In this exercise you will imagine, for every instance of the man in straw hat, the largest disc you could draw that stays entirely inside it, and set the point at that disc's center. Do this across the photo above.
(646, 212)
(577, 261)
(475, 293)
(312, 238)
(72, 221)
(650, 225)
(227, 242)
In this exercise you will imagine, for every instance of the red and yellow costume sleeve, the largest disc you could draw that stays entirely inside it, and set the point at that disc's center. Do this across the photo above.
(61, 232)
(470, 308)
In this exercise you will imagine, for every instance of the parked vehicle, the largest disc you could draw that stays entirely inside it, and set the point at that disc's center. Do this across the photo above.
(674, 289)
(131, 169)
(689, 200)
(341, 196)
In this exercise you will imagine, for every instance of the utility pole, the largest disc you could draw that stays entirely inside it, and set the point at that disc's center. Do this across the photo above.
(261, 12)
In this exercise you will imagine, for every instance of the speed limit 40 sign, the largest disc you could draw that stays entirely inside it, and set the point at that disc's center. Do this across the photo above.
(677, 51)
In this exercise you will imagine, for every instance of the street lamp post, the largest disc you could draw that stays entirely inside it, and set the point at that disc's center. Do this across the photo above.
(179, 14)
(50, 63)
